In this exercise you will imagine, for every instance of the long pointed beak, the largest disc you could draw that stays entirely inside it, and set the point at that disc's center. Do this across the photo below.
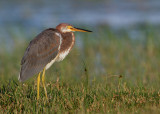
(80, 30)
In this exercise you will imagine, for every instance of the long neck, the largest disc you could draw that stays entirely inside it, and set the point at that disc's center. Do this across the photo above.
(68, 41)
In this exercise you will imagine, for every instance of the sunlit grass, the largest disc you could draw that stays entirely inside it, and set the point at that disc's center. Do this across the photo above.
(112, 71)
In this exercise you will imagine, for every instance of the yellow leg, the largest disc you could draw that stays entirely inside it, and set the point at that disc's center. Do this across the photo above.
(43, 82)
(38, 81)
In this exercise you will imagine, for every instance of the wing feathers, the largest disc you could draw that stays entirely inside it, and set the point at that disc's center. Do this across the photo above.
(41, 50)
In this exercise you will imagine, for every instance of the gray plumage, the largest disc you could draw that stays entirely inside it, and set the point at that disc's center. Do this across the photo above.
(41, 50)
(49, 46)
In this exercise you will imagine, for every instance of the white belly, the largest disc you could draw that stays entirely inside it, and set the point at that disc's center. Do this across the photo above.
(50, 64)
(62, 55)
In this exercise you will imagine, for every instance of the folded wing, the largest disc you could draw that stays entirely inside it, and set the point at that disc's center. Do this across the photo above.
(42, 49)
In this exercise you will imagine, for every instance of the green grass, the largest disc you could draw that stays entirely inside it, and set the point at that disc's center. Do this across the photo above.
(110, 73)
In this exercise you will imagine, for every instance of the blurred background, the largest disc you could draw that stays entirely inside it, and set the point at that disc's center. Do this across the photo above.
(33, 15)
(125, 39)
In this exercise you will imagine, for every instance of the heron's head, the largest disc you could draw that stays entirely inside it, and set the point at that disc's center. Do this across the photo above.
(64, 27)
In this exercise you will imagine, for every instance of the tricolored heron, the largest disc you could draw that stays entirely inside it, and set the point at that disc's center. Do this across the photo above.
(49, 46)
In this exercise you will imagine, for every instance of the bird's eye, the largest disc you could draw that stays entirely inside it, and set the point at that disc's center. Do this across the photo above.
(69, 27)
